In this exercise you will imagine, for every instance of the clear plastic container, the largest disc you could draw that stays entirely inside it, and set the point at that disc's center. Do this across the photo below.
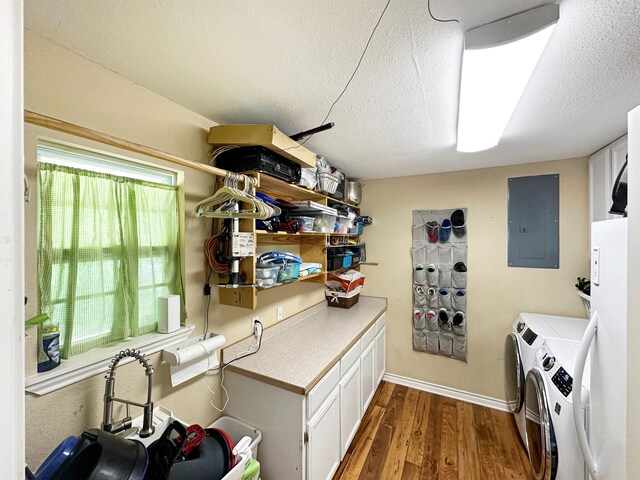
(324, 223)
(306, 223)
(342, 225)
(267, 275)
(289, 272)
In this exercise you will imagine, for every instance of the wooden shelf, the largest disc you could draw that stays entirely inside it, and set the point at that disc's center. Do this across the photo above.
(313, 245)
(320, 277)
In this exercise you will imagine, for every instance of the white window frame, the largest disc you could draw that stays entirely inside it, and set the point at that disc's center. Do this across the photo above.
(96, 361)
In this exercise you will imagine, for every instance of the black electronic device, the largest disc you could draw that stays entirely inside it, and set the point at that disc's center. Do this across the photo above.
(563, 381)
(529, 336)
(259, 159)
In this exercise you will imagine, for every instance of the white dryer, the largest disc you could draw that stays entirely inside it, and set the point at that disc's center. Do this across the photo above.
(528, 333)
(554, 451)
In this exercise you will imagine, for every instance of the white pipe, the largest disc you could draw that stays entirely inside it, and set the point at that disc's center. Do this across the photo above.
(576, 396)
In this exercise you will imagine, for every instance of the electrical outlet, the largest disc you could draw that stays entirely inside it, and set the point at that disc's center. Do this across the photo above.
(255, 326)
(280, 315)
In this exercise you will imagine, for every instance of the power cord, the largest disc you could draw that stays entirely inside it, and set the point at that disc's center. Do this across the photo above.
(239, 356)
(439, 19)
(350, 78)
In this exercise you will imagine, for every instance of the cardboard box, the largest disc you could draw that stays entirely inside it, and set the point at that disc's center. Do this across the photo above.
(264, 135)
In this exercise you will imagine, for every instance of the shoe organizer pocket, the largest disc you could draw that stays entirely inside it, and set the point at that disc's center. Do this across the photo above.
(432, 231)
(419, 235)
(432, 253)
(460, 347)
(419, 341)
(444, 298)
(446, 344)
(432, 298)
(444, 320)
(459, 300)
(432, 341)
(459, 324)
(444, 276)
(444, 254)
(432, 274)
(431, 319)
(420, 296)
(420, 276)
(458, 279)
(459, 253)
(419, 255)
(419, 321)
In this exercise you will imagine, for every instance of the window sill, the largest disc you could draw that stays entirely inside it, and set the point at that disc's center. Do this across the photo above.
(97, 361)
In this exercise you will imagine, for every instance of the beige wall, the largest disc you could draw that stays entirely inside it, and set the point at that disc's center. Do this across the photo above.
(496, 294)
(64, 85)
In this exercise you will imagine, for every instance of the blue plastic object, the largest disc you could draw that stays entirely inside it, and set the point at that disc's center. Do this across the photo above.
(54, 461)
(445, 230)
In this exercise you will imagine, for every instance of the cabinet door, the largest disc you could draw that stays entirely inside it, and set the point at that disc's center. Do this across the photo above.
(380, 356)
(350, 404)
(323, 447)
(367, 365)
(599, 185)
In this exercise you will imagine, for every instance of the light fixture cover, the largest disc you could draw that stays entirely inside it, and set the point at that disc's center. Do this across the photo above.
(494, 76)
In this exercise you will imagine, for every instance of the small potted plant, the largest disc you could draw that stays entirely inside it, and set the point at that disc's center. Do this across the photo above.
(584, 291)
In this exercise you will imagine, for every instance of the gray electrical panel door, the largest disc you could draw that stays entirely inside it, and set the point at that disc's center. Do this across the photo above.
(534, 221)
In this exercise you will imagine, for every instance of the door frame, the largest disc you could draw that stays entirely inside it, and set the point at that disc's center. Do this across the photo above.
(12, 456)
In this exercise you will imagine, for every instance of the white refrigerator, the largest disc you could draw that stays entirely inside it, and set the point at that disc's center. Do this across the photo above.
(603, 436)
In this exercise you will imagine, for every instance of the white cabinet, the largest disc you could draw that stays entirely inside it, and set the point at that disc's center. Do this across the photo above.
(604, 167)
(350, 407)
(380, 365)
(368, 364)
(323, 431)
(306, 436)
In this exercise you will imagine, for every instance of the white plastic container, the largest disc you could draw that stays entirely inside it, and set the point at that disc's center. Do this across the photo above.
(237, 429)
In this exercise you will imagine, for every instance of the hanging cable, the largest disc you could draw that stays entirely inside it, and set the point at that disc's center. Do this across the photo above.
(350, 78)
(439, 19)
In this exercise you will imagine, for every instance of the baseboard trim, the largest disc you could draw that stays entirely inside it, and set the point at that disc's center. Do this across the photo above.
(448, 392)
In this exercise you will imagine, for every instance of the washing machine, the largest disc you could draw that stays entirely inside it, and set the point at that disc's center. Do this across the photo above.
(528, 333)
(554, 451)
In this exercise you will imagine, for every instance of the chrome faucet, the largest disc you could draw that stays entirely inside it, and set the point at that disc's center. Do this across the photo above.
(108, 425)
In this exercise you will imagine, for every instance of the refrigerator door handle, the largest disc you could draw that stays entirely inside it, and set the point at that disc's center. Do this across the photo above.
(578, 412)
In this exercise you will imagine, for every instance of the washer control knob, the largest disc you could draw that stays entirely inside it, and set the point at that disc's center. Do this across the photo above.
(548, 363)
(520, 326)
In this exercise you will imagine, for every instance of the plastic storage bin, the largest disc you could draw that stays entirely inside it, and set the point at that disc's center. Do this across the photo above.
(289, 272)
(267, 275)
(306, 223)
(342, 225)
(324, 223)
(237, 429)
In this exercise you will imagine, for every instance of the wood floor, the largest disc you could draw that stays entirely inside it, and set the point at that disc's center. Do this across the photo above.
(409, 434)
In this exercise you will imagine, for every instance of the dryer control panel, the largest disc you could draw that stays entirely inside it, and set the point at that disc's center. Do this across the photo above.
(529, 336)
(563, 381)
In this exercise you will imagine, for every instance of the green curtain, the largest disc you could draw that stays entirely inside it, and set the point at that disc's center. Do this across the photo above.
(108, 246)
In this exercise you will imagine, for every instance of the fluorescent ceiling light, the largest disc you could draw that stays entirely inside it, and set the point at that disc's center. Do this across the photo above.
(498, 61)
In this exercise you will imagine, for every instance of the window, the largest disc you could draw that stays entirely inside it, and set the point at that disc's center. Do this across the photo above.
(109, 244)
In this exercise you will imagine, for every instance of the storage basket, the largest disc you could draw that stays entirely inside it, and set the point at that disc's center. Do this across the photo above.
(328, 182)
(347, 281)
(343, 300)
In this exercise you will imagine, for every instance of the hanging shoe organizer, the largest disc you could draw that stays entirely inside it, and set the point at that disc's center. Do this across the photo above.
(439, 255)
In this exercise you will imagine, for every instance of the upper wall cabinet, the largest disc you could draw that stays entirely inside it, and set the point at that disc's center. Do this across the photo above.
(604, 167)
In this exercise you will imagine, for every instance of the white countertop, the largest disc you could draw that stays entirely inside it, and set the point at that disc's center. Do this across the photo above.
(298, 351)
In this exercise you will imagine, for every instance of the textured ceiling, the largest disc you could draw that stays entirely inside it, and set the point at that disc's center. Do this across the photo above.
(285, 61)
